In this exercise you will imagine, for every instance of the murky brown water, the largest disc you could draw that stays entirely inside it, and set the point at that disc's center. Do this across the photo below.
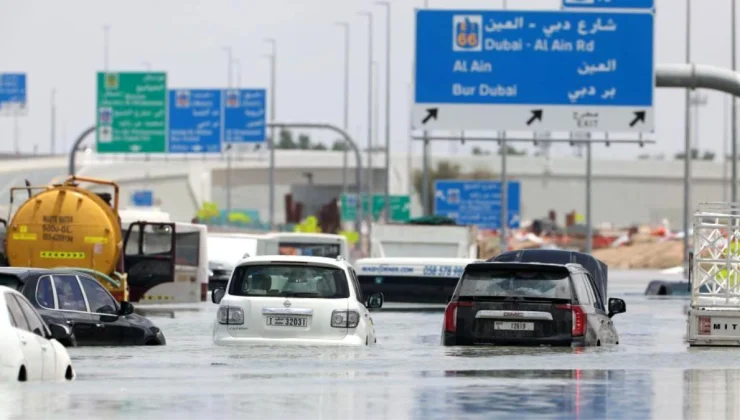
(651, 374)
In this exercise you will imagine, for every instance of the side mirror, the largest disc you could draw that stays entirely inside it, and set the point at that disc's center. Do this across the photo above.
(375, 301)
(126, 308)
(616, 306)
(60, 332)
(217, 295)
(449, 298)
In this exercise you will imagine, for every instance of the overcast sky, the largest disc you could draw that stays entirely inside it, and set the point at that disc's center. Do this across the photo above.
(60, 45)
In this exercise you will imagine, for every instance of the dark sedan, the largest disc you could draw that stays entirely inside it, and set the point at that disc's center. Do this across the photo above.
(71, 298)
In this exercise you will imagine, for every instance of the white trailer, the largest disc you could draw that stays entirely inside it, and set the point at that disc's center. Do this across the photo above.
(714, 311)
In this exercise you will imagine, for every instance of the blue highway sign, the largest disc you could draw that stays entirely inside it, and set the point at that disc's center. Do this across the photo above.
(244, 116)
(477, 202)
(609, 4)
(143, 198)
(534, 70)
(195, 121)
(13, 99)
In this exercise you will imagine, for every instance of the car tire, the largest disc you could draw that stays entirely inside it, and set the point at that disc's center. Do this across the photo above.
(22, 374)
(367, 340)
(69, 374)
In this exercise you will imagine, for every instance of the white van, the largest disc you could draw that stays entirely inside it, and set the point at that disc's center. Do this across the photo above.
(227, 249)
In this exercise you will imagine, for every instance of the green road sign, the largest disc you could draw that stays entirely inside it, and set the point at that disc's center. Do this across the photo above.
(132, 112)
(400, 208)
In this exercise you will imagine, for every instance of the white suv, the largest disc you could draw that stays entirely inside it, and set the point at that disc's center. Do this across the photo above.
(294, 300)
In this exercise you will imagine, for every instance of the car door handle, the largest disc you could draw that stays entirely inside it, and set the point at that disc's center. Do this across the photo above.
(70, 323)
(99, 325)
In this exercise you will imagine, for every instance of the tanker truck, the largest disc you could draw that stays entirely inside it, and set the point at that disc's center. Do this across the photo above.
(68, 226)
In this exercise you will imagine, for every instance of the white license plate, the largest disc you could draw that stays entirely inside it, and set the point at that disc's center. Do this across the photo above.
(513, 326)
(286, 321)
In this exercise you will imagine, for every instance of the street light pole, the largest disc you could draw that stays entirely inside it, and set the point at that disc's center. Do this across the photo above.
(273, 101)
(106, 41)
(734, 104)
(687, 145)
(345, 125)
(387, 198)
(238, 66)
(370, 177)
(53, 122)
(425, 158)
(229, 66)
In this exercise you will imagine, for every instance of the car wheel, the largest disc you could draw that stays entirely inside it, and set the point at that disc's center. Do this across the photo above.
(69, 374)
(22, 374)
(598, 343)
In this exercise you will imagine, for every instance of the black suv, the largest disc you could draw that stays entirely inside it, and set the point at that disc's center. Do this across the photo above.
(529, 304)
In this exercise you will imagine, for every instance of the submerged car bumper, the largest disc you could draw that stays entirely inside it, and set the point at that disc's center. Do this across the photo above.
(223, 338)
(556, 341)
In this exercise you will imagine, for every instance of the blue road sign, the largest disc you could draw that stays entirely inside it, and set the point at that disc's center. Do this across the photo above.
(13, 98)
(477, 202)
(609, 4)
(244, 116)
(195, 121)
(534, 70)
(143, 198)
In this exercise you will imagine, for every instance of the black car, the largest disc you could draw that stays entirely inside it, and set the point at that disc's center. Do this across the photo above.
(498, 303)
(75, 299)
(598, 269)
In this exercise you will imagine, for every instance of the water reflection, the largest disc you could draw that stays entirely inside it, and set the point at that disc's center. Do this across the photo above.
(556, 394)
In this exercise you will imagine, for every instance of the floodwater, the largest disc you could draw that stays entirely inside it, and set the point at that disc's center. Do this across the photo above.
(408, 375)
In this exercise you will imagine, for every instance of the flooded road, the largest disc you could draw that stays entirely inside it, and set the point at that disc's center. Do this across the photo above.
(408, 375)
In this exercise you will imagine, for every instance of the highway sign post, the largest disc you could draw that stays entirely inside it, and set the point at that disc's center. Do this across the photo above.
(477, 202)
(609, 4)
(534, 71)
(13, 97)
(195, 121)
(400, 207)
(244, 116)
(132, 112)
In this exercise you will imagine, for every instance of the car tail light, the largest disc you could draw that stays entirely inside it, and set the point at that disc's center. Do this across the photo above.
(705, 325)
(230, 315)
(579, 319)
(451, 315)
(345, 319)
(203, 292)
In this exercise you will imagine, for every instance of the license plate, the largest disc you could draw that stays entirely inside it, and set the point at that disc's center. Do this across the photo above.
(513, 326)
(286, 321)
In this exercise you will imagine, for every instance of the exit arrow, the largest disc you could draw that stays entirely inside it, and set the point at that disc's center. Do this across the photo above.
(536, 116)
(431, 113)
(639, 117)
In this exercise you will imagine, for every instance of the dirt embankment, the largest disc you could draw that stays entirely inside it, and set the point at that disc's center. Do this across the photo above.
(645, 255)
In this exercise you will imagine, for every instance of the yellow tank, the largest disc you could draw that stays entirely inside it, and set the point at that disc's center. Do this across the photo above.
(66, 225)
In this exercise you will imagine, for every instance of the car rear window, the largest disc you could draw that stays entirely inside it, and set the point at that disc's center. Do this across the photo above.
(505, 283)
(289, 280)
(12, 281)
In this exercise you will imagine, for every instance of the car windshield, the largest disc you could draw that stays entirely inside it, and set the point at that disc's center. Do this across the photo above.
(289, 280)
(228, 251)
(10, 280)
(505, 283)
